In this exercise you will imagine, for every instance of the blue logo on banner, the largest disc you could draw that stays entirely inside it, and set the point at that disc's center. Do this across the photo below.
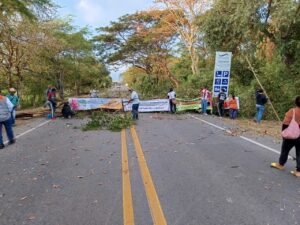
(218, 73)
(225, 73)
(217, 89)
(225, 88)
(225, 82)
(218, 82)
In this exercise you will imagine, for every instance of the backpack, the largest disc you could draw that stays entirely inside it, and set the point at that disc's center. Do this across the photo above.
(293, 130)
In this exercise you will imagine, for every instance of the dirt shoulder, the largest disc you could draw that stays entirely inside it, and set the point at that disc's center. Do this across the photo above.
(265, 128)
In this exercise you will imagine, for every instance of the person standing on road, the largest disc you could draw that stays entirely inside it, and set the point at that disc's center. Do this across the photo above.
(134, 99)
(221, 99)
(172, 100)
(204, 95)
(6, 107)
(14, 99)
(288, 144)
(261, 100)
(52, 98)
(233, 107)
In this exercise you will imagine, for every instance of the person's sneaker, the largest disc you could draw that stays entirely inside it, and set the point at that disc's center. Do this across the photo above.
(2, 146)
(277, 166)
(12, 141)
(295, 173)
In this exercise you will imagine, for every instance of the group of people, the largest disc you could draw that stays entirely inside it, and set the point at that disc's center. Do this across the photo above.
(8, 106)
(66, 111)
(205, 96)
(232, 104)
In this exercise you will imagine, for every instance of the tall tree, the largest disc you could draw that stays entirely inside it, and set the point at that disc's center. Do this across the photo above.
(186, 13)
(141, 40)
(28, 8)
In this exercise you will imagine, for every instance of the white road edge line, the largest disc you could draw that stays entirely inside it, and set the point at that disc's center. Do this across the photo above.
(30, 130)
(211, 124)
(242, 137)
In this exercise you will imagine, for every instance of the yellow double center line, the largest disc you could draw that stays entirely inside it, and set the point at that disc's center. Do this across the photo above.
(128, 215)
(152, 197)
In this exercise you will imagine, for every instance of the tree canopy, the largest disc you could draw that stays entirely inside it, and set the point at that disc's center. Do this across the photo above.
(35, 52)
(171, 44)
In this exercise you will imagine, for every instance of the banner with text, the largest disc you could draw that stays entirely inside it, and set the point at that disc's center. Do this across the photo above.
(95, 103)
(191, 104)
(184, 105)
(222, 72)
(157, 105)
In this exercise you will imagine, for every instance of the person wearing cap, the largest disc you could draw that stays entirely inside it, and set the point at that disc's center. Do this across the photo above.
(14, 99)
(6, 107)
(134, 99)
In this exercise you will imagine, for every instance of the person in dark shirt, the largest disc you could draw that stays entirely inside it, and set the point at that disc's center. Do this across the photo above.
(221, 99)
(261, 100)
(172, 100)
(67, 111)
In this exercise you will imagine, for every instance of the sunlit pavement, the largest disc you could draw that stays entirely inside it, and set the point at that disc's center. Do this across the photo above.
(168, 169)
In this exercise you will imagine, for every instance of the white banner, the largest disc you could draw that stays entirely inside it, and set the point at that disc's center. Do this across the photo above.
(157, 105)
(95, 103)
(222, 72)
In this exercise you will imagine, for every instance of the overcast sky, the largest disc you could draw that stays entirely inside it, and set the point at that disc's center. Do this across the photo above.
(96, 13)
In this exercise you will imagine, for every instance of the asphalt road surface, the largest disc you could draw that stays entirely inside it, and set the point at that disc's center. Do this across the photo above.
(168, 169)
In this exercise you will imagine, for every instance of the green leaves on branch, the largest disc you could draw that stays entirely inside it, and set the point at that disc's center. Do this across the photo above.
(104, 120)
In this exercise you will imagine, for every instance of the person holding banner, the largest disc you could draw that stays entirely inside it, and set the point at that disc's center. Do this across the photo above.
(204, 95)
(172, 100)
(134, 99)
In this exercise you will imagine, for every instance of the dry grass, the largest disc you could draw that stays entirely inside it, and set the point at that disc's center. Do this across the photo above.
(265, 128)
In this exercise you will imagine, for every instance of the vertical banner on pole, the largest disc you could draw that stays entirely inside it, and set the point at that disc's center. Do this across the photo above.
(222, 72)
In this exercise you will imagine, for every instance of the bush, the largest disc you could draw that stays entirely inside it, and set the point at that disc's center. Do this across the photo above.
(110, 121)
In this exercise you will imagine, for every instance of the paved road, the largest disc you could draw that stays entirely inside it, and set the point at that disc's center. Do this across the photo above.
(181, 171)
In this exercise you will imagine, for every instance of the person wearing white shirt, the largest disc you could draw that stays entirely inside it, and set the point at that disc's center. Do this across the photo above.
(134, 99)
(6, 107)
(172, 100)
(204, 95)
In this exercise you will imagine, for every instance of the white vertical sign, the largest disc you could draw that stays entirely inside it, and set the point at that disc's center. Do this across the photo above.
(222, 72)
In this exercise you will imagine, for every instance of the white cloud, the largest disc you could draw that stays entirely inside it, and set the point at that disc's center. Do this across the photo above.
(90, 11)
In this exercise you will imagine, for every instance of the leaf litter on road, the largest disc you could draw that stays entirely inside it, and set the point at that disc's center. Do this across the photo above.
(23, 198)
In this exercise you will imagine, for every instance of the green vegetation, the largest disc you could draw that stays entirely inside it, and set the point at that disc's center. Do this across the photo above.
(176, 44)
(37, 50)
(110, 121)
(172, 44)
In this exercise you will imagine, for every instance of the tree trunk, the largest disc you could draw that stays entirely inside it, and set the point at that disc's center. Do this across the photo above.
(195, 60)
(60, 85)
